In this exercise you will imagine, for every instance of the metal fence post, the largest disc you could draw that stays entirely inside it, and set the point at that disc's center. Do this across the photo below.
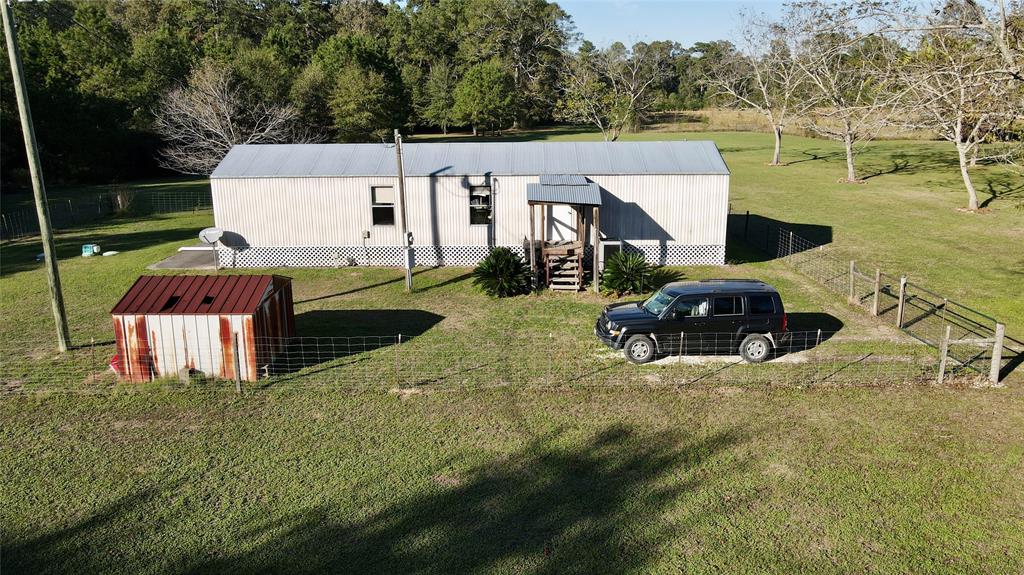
(943, 354)
(853, 297)
(902, 303)
(790, 251)
(878, 289)
(997, 354)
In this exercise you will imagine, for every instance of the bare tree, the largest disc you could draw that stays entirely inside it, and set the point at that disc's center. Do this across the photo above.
(763, 74)
(958, 88)
(612, 88)
(202, 120)
(853, 92)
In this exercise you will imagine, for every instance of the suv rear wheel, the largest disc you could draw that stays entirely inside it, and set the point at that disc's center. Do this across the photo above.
(639, 349)
(755, 348)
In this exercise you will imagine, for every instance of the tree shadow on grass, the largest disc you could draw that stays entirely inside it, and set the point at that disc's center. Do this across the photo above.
(82, 547)
(599, 507)
(608, 504)
(1002, 187)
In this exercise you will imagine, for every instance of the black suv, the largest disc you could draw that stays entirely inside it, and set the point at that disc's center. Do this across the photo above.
(709, 316)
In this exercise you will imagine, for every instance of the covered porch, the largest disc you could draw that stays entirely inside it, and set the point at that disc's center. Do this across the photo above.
(563, 202)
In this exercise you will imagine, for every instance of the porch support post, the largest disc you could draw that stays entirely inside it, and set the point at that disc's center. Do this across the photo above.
(543, 223)
(597, 249)
(533, 249)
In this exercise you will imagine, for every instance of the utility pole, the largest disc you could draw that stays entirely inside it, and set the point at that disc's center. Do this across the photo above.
(406, 236)
(38, 190)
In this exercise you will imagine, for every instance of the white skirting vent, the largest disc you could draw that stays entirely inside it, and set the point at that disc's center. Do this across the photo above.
(392, 256)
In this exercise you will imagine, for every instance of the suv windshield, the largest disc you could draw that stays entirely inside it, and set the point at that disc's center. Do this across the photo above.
(657, 302)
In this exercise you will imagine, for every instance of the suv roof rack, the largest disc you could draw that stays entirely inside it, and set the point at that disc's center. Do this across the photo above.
(713, 280)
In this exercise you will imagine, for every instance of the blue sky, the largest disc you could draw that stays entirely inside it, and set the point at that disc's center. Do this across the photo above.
(685, 21)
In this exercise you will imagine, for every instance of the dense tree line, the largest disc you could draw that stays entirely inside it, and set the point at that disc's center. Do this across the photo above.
(115, 84)
(120, 88)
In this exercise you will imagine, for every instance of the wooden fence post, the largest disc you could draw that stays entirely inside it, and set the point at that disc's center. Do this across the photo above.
(943, 354)
(853, 291)
(902, 303)
(878, 289)
(997, 354)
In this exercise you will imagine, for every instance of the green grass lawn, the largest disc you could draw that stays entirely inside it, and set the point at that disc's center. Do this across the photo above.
(512, 481)
(724, 477)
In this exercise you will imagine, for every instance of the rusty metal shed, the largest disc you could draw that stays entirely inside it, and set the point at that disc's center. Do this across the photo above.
(225, 326)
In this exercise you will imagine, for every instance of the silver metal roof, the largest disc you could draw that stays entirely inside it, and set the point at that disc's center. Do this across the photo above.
(588, 194)
(472, 159)
(562, 180)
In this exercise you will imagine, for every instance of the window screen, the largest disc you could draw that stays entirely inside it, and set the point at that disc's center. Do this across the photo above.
(761, 304)
(479, 205)
(383, 199)
(728, 306)
(693, 307)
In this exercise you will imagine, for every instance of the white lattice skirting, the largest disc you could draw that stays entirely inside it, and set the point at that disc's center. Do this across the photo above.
(392, 256)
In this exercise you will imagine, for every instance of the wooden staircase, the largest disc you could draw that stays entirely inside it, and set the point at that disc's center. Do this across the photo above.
(564, 266)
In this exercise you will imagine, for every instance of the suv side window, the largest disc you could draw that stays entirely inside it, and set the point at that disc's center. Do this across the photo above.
(761, 304)
(691, 307)
(728, 305)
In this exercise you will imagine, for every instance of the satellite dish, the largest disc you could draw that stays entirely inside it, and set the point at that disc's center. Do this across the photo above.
(211, 235)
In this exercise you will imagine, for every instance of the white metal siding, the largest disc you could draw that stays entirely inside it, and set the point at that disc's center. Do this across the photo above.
(178, 342)
(330, 211)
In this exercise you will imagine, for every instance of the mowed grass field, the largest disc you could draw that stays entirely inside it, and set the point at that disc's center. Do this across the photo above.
(733, 478)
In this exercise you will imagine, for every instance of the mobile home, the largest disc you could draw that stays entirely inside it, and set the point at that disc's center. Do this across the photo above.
(337, 204)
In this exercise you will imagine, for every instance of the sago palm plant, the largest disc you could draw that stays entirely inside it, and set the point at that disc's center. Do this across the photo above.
(503, 273)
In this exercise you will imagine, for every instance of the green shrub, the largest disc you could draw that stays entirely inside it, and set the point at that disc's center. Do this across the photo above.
(502, 273)
(627, 273)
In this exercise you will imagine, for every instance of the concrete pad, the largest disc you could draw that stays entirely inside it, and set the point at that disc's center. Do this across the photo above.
(187, 260)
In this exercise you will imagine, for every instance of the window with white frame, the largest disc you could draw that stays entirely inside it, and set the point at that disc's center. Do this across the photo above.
(382, 199)
(479, 205)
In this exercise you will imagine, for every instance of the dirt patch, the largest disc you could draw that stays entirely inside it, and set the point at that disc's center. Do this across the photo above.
(445, 480)
(10, 386)
(405, 393)
(99, 378)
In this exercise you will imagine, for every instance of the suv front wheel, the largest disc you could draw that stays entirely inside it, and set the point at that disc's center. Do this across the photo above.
(755, 348)
(639, 349)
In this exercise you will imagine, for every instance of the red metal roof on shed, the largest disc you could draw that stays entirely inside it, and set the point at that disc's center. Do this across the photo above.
(224, 294)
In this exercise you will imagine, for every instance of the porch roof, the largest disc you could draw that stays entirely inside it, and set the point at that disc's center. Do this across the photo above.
(584, 194)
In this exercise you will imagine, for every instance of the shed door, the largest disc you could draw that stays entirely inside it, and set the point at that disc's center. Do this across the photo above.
(561, 223)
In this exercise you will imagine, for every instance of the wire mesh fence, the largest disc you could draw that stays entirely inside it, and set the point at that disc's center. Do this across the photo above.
(67, 213)
(923, 314)
(443, 362)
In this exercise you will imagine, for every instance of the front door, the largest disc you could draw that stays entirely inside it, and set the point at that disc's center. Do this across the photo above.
(561, 223)
(683, 329)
